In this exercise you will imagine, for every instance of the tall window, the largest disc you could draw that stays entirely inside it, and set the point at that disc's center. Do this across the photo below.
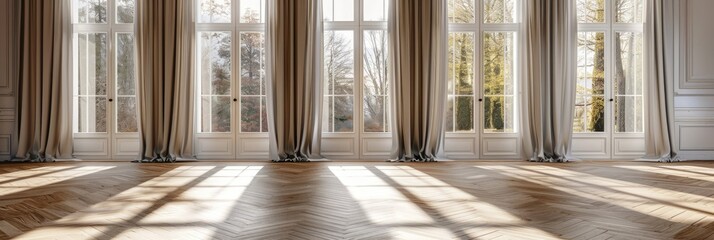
(355, 65)
(610, 66)
(103, 66)
(231, 32)
(482, 38)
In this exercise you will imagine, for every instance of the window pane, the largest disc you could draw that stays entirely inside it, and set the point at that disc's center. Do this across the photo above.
(91, 114)
(125, 11)
(215, 62)
(461, 11)
(126, 114)
(591, 63)
(461, 59)
(628, 75)
(339, 62)
(629, 114)
(250, 114)
(252, 63)
(215, 81)
(91, 64)
(498, 63)
(499, 11)
(589, 114)
(375, 116)
(450, 114)
(125, 64)
(91, 11)
(629, 11)
(591, 11)
(338, 10)
(214, 11)
(375, 10)
(498, 114)
(463, 113)
(252, 11)
(342, 117)
(376, 86)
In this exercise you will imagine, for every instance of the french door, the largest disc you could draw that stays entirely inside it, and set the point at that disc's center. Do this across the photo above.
(104, 88)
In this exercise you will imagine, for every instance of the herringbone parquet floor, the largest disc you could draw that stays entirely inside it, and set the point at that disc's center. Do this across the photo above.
(357, 200)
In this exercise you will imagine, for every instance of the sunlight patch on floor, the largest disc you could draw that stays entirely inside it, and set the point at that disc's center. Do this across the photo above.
(55, 175)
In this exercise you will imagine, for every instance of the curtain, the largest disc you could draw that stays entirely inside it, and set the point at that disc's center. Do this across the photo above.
(294, 87)
(43, 103)
(163, 32)
(549, 88)
(658, 48)
(417, 43)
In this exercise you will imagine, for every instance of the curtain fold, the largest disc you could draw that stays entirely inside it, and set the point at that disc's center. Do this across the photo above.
(418, 46)
(549, 89)
(658, 49)
(164, 53)
(294, 46)
(43, 103)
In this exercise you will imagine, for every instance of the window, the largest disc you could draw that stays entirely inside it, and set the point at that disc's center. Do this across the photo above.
(231, 32)
(355, 54)
(103, 66)
(610, 67)
(482, 38)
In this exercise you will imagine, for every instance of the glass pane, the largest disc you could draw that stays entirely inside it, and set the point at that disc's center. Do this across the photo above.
(591, 63)
(461, 59)
(339, 62)
(343, 107)
(462, 11)
(450, 114)
(338, 10)
(499, 114)
(214, 11)
(375, 10)
(628, 74)
(463, 113)
(589, 114)
(375, 116)
(591, 11)
(629, 114)
(91, 11)
(125, 11)
(221, 107)
(250, 114)
(215, 63)
(499, 11)
(252, 65)
(376, 86)
(252, 11)
(91, 64)
(629, 11)
(125, 64)
(126, 114)
(91, 114)
(498, 63)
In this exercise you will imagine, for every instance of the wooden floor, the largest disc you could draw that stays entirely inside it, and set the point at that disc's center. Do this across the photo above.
(357, 200)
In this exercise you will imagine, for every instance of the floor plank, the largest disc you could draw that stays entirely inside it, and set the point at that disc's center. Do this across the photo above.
(357, 200)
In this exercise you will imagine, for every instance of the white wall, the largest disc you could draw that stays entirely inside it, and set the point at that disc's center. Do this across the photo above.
(693, 88)
(7, 85)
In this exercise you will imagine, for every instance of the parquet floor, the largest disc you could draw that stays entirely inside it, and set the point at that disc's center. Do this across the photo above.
(357, 200)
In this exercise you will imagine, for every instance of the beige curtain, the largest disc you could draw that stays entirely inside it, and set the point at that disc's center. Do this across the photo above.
(549, 85)
(417, 43)
(658, 48)
(294, 82)
(164, 31)
(43, 102)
